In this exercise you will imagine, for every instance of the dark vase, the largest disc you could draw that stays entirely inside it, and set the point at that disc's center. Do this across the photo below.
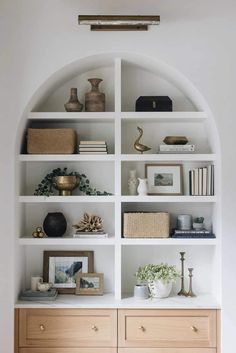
(95, 100)
(55, 224)
(73, 105)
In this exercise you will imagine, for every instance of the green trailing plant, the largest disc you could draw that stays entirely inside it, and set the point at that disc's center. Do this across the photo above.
(46, 186)
(163, 272)
(199, 220)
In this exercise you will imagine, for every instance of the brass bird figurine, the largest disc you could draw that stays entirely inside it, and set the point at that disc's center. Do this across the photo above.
(138, 146)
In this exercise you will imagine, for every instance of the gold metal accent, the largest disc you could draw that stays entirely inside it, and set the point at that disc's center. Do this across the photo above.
(137, 145)
(190, 292)
(42, 327)
(94, 328)
(65, 184)
(194, 328)
(118, 23)
(142, 328)
(182, 290)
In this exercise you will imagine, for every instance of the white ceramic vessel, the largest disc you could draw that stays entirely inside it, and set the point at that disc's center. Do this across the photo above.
(142, 187)
(132, 182)
(159, 289)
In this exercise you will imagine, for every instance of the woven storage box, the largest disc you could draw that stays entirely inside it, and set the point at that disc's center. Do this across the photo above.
(146, 225)
(51, 141)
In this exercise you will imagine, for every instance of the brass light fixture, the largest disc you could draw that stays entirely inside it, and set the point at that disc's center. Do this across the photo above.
(118, 23)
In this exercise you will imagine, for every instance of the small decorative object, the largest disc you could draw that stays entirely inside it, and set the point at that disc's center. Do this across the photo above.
(89, 284)
(142, 187)
(146, 225)
(34, 282)
(190, 292)
(137, 145)
(44, 286)
(184, 222)
(153, 104)
(198, 223)
(73, 105)
(95, 100)
(30, 295)
(61, 267)
(65, 184)
(159, 278)
(164, 179)
(45, 188)
(182, 290)
(132, 182)
(55, 224)
(175, 140)
(90, 223)
(38, 233)
(141, 291)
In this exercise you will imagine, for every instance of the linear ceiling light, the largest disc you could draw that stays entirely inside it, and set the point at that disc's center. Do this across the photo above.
(118, 23)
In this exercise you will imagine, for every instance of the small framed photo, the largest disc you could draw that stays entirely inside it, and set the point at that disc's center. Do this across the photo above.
(61, 268)
(89, 284)
(164, 179)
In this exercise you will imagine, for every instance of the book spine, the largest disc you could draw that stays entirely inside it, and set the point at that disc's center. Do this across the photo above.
(177, 148)
(204, 181)
(196, 182)
(87, 142)
(92, 149)
(200, 181)
(208, 180)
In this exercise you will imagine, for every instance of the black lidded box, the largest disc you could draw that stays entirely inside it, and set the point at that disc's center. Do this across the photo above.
(153, 104)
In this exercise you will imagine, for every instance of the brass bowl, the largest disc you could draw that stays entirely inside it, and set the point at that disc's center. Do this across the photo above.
(65, 184)
(175, 140)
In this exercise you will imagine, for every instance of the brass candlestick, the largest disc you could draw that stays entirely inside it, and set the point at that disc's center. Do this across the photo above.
(182, 290)
(190, 292)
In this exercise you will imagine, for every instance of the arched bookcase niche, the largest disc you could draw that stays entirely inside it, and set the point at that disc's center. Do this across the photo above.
(126, 76)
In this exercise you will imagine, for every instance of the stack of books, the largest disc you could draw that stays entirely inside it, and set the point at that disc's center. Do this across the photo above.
(93, 147)
(201, 181)
(176, 148)
(91, 235)
(192, 233)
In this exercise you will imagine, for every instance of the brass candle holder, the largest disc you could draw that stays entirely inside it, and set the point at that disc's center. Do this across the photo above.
(182, 290)
(190, 292)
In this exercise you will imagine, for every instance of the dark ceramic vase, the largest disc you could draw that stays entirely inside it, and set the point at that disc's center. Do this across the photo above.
(73, 105)
(55, 224)
(95, 100)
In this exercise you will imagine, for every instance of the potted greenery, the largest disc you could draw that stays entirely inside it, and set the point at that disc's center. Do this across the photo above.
(198, 223)
(56, 177)
(159, 278)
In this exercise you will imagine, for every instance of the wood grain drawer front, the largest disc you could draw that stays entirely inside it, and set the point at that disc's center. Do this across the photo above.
(68, 350)
(68, 328)
(165, 350)
(167, 328)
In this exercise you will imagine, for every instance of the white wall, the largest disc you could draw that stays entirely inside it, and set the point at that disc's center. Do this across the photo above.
(40, 37)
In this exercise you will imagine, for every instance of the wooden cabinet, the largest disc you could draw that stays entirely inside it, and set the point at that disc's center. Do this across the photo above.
(167, 328)
(70, 350)
(165, 350)
(67, 328)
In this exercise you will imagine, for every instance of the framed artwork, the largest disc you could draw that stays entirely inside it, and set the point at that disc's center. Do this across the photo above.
(89, 284)
(61, 268)
(164, 179)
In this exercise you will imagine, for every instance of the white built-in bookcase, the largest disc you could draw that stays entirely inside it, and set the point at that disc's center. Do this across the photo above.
(126, 77)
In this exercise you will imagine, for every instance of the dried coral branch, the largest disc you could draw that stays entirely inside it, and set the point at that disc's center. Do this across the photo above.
(89, 223)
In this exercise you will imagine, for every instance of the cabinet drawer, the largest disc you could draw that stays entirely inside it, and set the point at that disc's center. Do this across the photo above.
(167, 328)
(68, 350)
(165, 350)
(67, 328)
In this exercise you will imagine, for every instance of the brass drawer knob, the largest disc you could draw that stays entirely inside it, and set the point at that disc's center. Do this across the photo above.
(42, 327)
(142, 328)
(194, 328)
(94, 328)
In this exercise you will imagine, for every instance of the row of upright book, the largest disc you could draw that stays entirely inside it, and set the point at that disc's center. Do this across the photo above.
(92, 147)
(201, 181)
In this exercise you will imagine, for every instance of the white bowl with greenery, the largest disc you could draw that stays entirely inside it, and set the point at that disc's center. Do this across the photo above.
(159, 278)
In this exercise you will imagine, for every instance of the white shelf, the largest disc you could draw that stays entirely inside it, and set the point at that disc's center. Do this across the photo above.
(65, 199)
(65, 241)
(166, 117)
(65, 157)
(167, 241)
(202, 301)
(169, 157)
(100, 117)
(157, 198)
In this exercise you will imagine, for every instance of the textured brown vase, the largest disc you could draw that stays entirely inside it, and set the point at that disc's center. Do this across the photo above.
(73, 105)
(95, 100)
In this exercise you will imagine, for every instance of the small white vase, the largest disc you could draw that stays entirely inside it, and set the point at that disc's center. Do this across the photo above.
(141, 291)
(132, 182)
(142, 187)
(159, 289)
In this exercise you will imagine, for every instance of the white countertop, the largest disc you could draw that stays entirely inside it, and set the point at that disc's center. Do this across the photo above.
(203, 301)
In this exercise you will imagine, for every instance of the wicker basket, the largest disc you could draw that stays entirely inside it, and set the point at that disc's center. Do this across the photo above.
(146, 225)
(51, 141)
